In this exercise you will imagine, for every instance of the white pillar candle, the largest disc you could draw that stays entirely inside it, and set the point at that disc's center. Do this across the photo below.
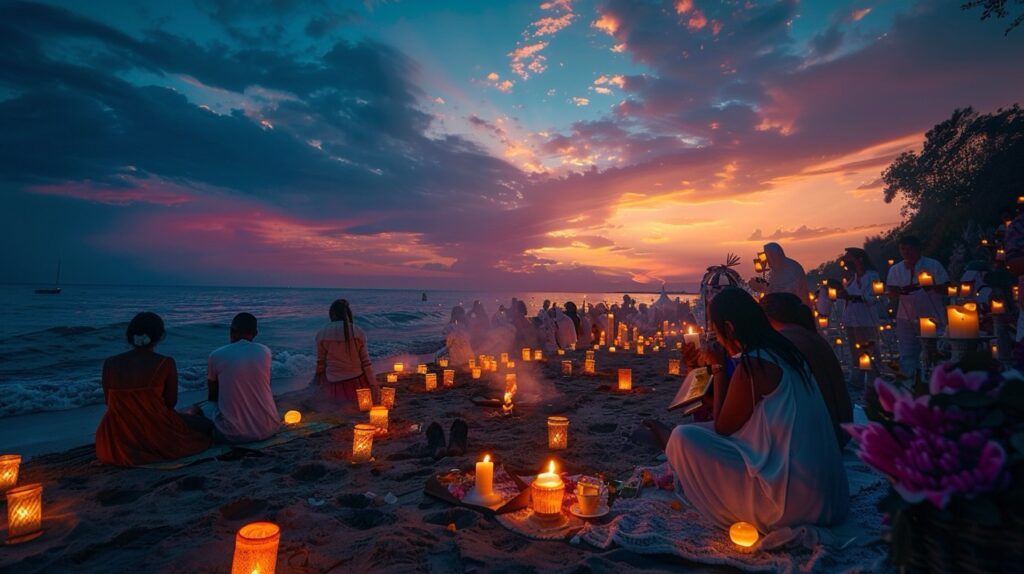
(877, 287)
(963, 321)
(691, 337)
(925, 279)
(998, 307)
(928, 327)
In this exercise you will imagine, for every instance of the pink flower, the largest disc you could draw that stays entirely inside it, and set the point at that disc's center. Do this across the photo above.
(946, 379)
(889, 395)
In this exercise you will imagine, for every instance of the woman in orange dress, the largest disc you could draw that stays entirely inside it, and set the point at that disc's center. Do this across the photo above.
(141, 390)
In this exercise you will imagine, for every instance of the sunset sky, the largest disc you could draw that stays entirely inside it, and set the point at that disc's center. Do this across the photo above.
(466, 144)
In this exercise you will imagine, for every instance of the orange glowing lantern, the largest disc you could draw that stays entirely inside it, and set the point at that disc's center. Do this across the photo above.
(538, 355)
(966, 289)
(547, 491)
(567, 368)
(421, 369)
(951, 291)
(365, 399)
(430, 381)
(877, 287)
(292, 417)
(625, 379)
(864, 362)
(925, 279)
(362, 442)
(392, 377)
(832, 294)
(442, 362)
(997, 308)
(589, 367)
(399, 367)
(475, 372)
(526, 354)
(674, 367)
(24, 513)
(449, 377)
(387, 397)
(823, 321)
(10, 464)
(743, 534)
(256, 548)
(558, 432)
(379, 419)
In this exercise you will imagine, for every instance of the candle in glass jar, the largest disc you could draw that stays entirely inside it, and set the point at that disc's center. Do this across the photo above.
(823, 321)
(589, 366)
(379, 419)
(399, 367)
(10, 464)
(256, 546)
(558, 432)
(421, 369)
(484, 478)
(387, 397)
(547, 491)
(928, 327)
(362, 442)
(364, 397)
(925, 279)
(864, 362)
(625, 379)
(877, 287)
(442, 362)
(526, 354)
(538, 355)
(430, 381)
(963, 321)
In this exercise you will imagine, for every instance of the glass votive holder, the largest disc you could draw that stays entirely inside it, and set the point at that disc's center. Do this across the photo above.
(24, 513)
(379, 419)
(364, 397)
(256, 548)
(387, 397)
(558, 432)
(449, 378)
(362, 442)
(10, 464)
(430, 381)
(547, 498)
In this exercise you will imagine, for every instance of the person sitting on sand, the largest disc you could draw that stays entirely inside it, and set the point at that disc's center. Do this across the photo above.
(241, 404)
(342, 360)
(456, 336)
(769, 457)
(565, 329)
(794, 320)
(141, 389)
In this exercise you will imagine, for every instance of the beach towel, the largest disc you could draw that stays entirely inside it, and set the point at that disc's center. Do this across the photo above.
(652, 525)
(285, 435)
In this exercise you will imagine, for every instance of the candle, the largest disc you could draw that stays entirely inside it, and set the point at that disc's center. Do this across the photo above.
(484, 480)
(362, 442)
(877, 287)
(567, 368)
(449, 377)
(511, 365)
(547, 491)
(475, 372)
(558, 432)
(864, 362)
(538, 355)
(430, 381)
(387, 397)
(965, 289)
(839, 341)
(421, 369)
(743, 534)
(442, 362)
(590, 354)
(399, 367)
(762, 257)
(24, 513)
(890, 262)
(472, 363)
(925, 279)
(673, 367)
(823, 321)
(611, 325)
(691, 337)
(832, 294)
(365, 399)
(504, 358)
(928, 327)
(560, 351)
(625, 379)
(392, 377)
(951, 291)
(526, 354)
(9, 466)
(639, 349)
(758, 266)
(589, 367)
(292, 417)
(379, 419)
(611, 349)
(998, 307)
(256, 548)
(963, 321)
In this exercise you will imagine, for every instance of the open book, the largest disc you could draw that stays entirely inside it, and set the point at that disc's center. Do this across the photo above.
(694, 387)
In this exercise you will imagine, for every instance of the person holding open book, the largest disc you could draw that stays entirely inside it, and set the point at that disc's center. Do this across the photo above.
(769, 457)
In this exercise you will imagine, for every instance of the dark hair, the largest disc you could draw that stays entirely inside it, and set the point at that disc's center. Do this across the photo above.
(573, 313)
(148, 327)
(244, 323)
(910, 241)
(752, 329)
(862, 255)
(458, 313)
(340, 311)
(788, 309)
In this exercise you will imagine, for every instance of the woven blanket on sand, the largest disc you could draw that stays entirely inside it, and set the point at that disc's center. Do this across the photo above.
(649, 525)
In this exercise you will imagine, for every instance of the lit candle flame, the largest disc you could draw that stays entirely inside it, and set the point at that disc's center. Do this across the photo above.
(487, 458)
(689, 330)
(551, 467)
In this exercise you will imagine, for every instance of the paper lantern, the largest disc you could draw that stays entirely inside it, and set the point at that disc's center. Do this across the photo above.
(379, 419)
(567, 368)
(387, 397)
(449, 378)
(877, 287)
(364, 397)
(560, 351)
(743, 534)
(864, 362)
(442, 362)
(526, 354)
(625, 379)
(256, 548)
(925, 279)
(399, 367)
(9, 466)
(547, 491)
(832, 294)
(24, 513)
(392, 377)
(292, 417)
(475, 372)
(558, 432)
(504, 358)
(928, 327)
(538, 355)
(430, 381)
(963, 321)
(823, 321)
(421, 369)
(639, 349)
(362, 442)
(674, 367)
(589, 366)
(998, 308)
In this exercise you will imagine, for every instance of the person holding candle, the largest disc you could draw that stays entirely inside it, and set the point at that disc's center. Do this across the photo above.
(861, 316)
(769, 457)
(342, 359)
(140, 425)
(915, 299)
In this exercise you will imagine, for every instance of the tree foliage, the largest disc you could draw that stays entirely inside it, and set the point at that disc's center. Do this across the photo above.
(998, 9)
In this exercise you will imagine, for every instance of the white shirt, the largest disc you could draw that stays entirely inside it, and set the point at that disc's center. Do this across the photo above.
(857, 313)
(246, 404)
(565, 330)
(920, 303)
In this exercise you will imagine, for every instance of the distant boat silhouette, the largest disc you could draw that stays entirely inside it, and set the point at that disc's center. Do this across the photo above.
(424, 296)
(55, 290)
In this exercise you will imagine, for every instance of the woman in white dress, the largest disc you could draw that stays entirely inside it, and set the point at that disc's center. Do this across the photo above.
(456, 337)
(770, 456)
(860, 316)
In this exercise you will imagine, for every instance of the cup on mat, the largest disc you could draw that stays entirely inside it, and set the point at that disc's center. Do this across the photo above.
(589, 497)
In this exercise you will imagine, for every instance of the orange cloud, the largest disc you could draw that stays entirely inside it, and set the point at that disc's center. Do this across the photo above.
(858, 15)
(607, 23)
(526, 59)
(581, 101)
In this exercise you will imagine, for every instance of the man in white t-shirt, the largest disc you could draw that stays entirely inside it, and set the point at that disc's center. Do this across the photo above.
(915, 300)
(239, 386)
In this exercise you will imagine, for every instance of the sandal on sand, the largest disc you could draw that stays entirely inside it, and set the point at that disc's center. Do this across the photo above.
(458, 438)
(435, 441)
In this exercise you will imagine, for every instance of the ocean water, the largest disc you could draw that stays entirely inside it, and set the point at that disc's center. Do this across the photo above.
(52, 347)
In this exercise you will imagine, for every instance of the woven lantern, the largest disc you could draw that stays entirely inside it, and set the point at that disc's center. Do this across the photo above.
(256, 548)
(9, 466)
(449, 378)
(379, 419)
(430, 381)
(24, 513)
(362, 442)
(558, 432)
(625, 379)
(387, 397)
(365, 399)
(673, 367)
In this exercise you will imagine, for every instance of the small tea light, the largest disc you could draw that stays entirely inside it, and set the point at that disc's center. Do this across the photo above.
(832, 294)
(442, 362)
(379, 419)
(449, 378)
(639, 349)
(547, 491)
(965, 289)
(362, 442)
(823, 321)
(864, 362)
(9, 466)
(611, 349)
(430, 381)
(951, 291)
(673, 367)
(928, 327)
(625, 379)
(538, 355)
(997, 308)
(504, 361)
(24, 513)
(526, 354)
(292, 417)
(256, 548)
(475, 372)
(743, 534)
(925, 279)
(387, 397)
(560, 351)
(398, 367)
(877, 287)
(421, 369)
(558, 432)
(589, 366)
(364, 397)
(392, 377)
(567, 368)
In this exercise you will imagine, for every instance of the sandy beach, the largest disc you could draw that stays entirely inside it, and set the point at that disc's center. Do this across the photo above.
(100, 519)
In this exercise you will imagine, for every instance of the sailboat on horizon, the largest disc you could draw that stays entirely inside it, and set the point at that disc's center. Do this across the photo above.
(55, 290)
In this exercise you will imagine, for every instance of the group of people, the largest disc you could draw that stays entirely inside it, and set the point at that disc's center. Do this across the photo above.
(141, 425)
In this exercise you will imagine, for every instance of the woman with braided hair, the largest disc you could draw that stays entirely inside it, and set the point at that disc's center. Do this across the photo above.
(342, 360)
